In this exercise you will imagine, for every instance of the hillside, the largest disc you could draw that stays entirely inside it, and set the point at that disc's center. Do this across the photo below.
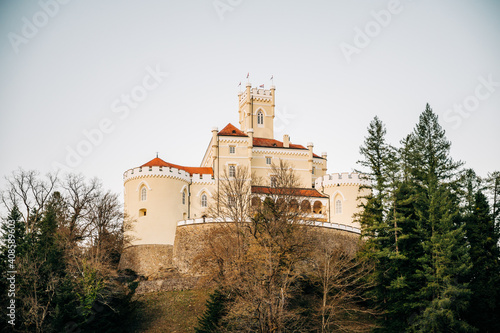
(169, 311)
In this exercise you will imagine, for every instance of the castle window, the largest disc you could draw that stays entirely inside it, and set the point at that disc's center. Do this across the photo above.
(183, 197)
(318, 207)
(313, 170)
(142, 212)
(260, 118)
(338, 207)
(143, 194)
(232, 170)
(232, 149)
(305, 206)
(204, 202)
(268, 160)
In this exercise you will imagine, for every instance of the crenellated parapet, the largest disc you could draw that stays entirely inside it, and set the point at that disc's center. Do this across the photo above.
(157, 171)
(202, 179)
(341, 179)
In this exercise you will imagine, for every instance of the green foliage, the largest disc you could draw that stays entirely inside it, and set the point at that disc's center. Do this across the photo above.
(415, 233)
(216, 309)
(483, 237)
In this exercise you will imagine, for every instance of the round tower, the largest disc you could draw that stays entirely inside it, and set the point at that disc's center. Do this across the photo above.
(156, 198)
(343, 190)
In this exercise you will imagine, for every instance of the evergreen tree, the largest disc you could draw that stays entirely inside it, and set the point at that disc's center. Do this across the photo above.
(483, 238)
(379, 222)
(216, 309)
(444, 263)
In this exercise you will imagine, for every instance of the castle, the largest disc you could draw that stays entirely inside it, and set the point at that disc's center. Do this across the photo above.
(168, 202)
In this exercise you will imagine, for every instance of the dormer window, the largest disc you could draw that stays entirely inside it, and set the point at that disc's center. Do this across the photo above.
(260, 118)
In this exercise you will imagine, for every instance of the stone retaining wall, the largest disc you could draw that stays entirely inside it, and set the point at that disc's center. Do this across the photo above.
(147, 260)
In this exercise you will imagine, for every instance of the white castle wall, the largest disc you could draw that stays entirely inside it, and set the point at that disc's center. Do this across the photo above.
(343, 187)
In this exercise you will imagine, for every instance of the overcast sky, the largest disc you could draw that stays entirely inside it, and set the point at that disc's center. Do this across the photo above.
(99, 87)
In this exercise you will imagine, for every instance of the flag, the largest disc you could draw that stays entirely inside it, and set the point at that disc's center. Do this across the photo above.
(248, 74)
(272, 76)
(239, 85)
(261, 86)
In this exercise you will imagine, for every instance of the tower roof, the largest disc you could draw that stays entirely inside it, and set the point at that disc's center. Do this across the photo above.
(231, 130)
(191, 170)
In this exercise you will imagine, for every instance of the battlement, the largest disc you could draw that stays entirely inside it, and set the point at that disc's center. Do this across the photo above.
(157, 171)
(344, 178)
(202, 178)
(256, 93)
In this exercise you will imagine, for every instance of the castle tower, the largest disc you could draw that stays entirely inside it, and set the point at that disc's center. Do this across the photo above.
(343, 190)
(256, 111)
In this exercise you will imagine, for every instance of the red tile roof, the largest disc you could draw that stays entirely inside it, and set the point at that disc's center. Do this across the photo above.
(191, 170)
(231, 130)
(263, 142)
(299, 192)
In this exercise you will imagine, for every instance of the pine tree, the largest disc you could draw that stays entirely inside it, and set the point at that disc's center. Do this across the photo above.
(216, 309)
(444, 263)
(379, 220)
(483, 238)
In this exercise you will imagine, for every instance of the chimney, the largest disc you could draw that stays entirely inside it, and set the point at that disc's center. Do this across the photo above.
(286, 141)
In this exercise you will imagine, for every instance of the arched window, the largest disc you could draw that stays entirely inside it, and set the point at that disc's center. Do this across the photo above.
(204, 202)
(305, 206)
(318, 207)
(143, 193)
(260, 118)
(338, 207)
(183, 197)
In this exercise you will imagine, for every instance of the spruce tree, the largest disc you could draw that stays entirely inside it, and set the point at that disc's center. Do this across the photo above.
(483, 238)
(216, 309)
(444, 264)
(380, 226)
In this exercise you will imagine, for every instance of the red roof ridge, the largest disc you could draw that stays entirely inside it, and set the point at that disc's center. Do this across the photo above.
(231, 130)
(296, 191)
(191, 170)
(265, 142)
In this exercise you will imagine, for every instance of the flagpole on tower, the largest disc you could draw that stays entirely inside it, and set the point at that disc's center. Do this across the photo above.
(272, 80)
(248, 77)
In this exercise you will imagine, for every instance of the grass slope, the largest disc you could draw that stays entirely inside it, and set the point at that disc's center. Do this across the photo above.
(169, 311)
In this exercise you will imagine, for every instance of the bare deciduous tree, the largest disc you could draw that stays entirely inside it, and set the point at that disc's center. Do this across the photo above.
(340, 278)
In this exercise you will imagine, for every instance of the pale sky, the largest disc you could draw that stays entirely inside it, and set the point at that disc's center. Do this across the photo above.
(66, 69)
